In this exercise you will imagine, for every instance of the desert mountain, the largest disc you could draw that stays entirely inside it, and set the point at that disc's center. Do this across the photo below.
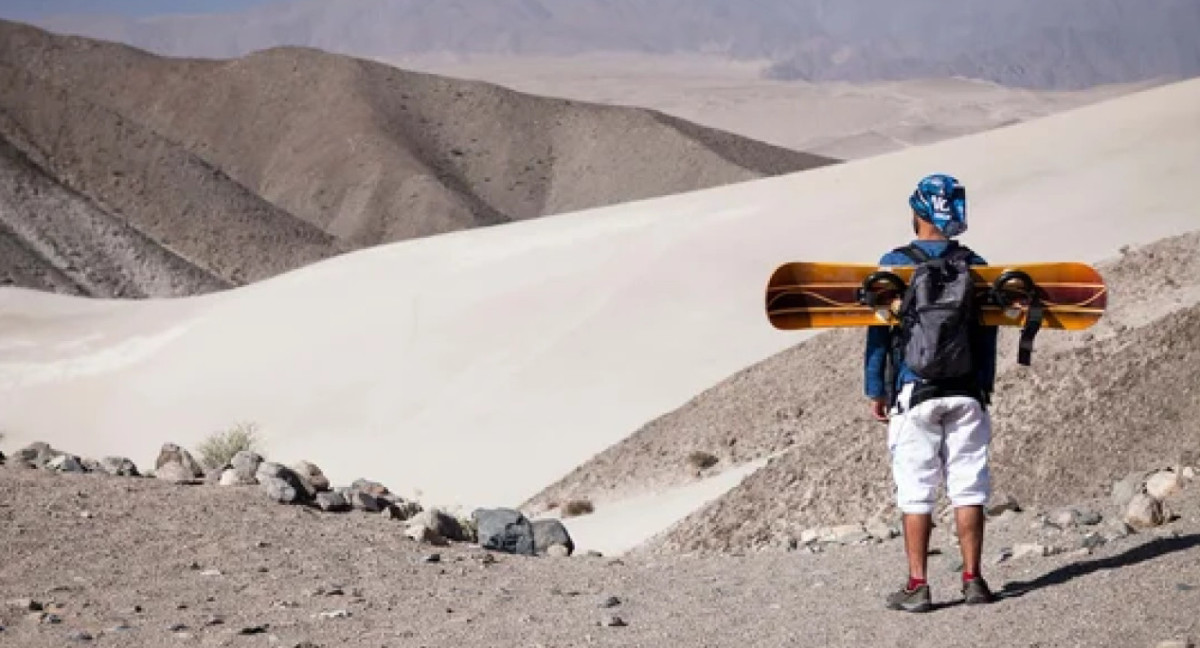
(231, 171)
(1064, 44)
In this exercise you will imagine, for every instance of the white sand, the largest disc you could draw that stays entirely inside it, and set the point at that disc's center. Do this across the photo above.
(479, 366)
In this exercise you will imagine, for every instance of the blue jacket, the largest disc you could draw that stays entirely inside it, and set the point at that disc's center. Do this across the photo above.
(877, 336)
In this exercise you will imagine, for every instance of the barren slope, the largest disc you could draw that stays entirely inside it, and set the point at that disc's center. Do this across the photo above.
(291, 155)
(808, 401)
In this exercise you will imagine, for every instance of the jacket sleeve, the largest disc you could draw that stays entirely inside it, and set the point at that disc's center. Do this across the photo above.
(878, 339)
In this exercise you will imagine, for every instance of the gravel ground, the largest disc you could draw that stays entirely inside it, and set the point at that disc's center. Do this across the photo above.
(130, 562)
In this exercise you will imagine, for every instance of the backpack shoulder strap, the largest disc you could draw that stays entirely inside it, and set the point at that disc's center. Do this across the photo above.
(913, 252)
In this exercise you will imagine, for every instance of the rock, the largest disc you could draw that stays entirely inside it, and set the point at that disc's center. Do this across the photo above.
(1163, 484)
(441, 523)
(1002, 503)
(36, 454)
(1144, 512)
(1003, 555)
(172, 453)
(1088, 517)
(119, 467)
(245, 465)
(1189, 473)
(281, 483)
(424, 534)
(1036, 550)
(848, 534)
(1063, 518)
(613, 621)
(79, 636)
(2, 459)
(1175, 644)
(332, 502)
(334, 614)
(175, 473)
(365, 501)
(314, 480)
(610, 602)
(550, 532)
(25, 605)
(369, 487)
(65, 463)
(1092, 540)
(1125, 490)
(558, 551)
(504, 530)
(90, 465)
(230, 477)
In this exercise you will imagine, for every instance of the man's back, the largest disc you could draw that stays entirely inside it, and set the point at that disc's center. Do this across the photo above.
(878, 337)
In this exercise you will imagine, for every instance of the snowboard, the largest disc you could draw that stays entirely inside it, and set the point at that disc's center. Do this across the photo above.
(809, 295)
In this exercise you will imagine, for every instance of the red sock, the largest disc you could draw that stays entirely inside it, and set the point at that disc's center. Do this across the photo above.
(968, 576)
(914, 583)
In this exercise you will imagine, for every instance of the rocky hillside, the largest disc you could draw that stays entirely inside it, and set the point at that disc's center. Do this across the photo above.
(223, 172)
(1064, 44)
(1092, 404)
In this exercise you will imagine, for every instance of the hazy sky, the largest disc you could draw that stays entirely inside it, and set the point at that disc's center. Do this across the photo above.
(32, 9)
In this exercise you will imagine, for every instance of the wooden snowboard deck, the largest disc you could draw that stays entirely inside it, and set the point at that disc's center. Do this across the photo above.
(803, 295)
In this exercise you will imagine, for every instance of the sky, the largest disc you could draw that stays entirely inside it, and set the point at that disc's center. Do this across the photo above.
(34, 9)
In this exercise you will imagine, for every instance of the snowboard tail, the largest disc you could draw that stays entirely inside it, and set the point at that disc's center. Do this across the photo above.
(806, 295)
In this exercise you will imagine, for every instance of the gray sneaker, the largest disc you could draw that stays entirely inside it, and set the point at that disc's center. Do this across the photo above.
(917, 600)
(977, 592)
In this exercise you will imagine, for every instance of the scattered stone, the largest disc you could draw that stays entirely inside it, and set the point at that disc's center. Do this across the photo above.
(369, 487)
(549, 533)
(211, 573)
(36, 454)
(1030, 549)
(1163, 484)
(213, 620)
(334, 614)
(1175, 644)
(610, 602)
(504, 530)
(426, 535)
(432, 558)
(613, 621)
(245, 466)
(558, 551)
(119, 467)
(25, 605)
(365, 501)
(442, 524)
(1144, 512)
(332, 502)
(1093, 540)
(230, 477)
(80, 636)
(253, 630)
(173, 454)
(1189, 473)
(1125, 490)
(175, 473)
(314, 480)
(65, 463)
(281, 483)
(1002, 504)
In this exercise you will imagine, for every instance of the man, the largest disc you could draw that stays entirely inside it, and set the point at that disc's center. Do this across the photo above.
(936, 429)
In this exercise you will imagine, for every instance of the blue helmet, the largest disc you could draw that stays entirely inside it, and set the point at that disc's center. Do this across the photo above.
(941, 200)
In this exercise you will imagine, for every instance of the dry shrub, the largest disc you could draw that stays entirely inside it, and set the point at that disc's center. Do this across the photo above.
(701, 460)
(219, 448)
(577, 507)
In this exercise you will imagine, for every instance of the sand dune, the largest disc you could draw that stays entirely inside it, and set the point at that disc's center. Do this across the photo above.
(248, 167)
(479, 366)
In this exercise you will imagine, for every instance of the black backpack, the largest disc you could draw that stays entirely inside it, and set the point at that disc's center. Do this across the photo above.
(939, 319)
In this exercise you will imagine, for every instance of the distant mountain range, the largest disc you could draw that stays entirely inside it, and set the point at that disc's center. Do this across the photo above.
(1047, 44)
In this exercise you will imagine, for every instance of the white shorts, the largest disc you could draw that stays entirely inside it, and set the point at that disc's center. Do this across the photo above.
(940, 439)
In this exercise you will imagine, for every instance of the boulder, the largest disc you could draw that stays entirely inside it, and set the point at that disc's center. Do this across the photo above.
(175, 473)
(424, 534)
(1144, 512)
(441, 523)
(504, 530)
(313, 478)
(1125, 490)
(172, 453)
(281, 483)
(1163, 484)
(66, 463)
(36, 454)
(1001, 504)
(119, 467)
(245, 466)
(548, 533)
(332, 502)
(370, 487)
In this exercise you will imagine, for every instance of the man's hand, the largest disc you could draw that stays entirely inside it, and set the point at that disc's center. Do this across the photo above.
(879, 409)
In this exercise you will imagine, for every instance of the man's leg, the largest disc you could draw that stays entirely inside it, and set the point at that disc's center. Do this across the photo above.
(968, 484)
(915, 440)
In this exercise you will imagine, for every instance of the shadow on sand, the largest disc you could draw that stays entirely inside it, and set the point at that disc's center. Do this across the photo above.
(1141, 553)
